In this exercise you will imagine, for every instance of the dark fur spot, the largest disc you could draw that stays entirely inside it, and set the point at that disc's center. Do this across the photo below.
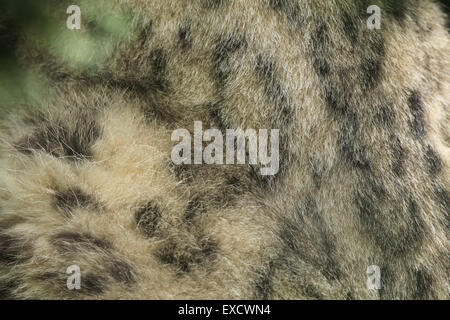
(384, 116)
(424, 284)
(398, 156)
(321, 38)
(223, 50)
(158, 61)
(372, 63)
(61, 141)
(233, 182)
(415, 229)
(317, 169)
(13, 250)
(121, 271)
(214, 4)
(443, 198)
(194, 207)
(349, 296)
(140, 87)
(310, 291)
(51, 276)
(416, 107)
(183, 173)
(7, 289)
(398, 9)
(283, 113)
(320, 44)
(217, 199)
(322, 66)
(71, 242)
(93, 284)
(10, 222)
(146, 33)
(185, 36)
(371, 69)
(184, 257)
(56, 279)
(353, 150)
(73, 198)
(97, 30)
(396, 231)
(377, 46)
(434, 163)
(265, 182)
(350, 28)
(266, 70)
(367, 202)
(311, 230)
(147, 218)
(336, 104)
(288, 8)
(388, 281)
(215, 112)
(264, 283)
(55, 71)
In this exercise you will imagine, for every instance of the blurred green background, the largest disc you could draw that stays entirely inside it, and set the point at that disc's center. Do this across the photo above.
(44, 21)
(19, 84)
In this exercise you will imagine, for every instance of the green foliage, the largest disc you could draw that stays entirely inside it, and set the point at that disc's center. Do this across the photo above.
(43, 24)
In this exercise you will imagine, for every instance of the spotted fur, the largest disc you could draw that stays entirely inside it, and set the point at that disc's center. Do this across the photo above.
(87, 179)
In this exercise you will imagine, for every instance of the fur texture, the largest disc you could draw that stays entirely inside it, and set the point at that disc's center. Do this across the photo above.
(87, 178)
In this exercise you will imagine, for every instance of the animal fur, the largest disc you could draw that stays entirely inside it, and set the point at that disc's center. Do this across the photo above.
(87, 179)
